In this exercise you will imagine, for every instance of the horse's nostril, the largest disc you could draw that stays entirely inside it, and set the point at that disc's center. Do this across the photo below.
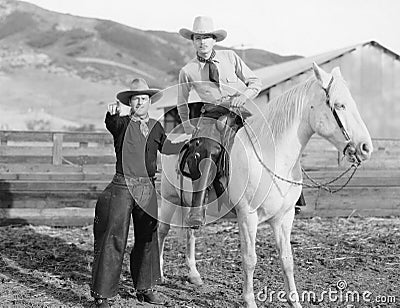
(365, 148)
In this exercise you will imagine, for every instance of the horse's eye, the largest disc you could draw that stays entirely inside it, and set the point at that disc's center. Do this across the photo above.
(339, 106)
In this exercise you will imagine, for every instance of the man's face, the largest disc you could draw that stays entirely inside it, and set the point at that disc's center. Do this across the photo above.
(203, 43)
(140, 104)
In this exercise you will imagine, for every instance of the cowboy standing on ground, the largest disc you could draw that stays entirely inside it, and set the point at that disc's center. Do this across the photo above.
(137, 137)
(213, 74)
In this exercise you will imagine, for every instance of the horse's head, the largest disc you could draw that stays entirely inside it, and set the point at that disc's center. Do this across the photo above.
(334, 116)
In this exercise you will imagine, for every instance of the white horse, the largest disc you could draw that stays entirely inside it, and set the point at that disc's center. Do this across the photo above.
(293, 118)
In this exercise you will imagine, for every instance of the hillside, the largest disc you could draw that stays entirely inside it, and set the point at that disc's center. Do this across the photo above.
(70, 67)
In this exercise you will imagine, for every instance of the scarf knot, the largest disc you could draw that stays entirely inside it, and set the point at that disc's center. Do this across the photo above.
(144, 129)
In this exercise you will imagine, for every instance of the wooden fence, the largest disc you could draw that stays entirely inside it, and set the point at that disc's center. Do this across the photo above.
(54, 178)
(373, 191)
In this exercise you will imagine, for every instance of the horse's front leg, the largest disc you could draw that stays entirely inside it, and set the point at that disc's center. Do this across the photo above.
(166, 213)
(163, 230)
(194, 275)
(247, 231)
(282, 230)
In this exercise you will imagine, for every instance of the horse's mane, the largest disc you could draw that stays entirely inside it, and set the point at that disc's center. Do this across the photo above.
(281, 111)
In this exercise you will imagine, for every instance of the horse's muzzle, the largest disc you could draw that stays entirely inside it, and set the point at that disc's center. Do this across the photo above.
(357, 153)
(350, 152)
(364, 150)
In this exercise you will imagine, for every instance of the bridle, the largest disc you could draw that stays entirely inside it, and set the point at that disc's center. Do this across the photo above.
(315, 184)
(337, 119)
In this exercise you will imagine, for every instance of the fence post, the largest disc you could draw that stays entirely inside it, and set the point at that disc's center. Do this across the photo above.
(57, 148)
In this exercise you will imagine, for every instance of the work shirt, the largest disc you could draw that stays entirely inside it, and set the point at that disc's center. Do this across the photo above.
(137, 155)
(235, 77)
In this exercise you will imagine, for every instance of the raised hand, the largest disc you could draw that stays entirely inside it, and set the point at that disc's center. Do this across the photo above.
(114, 108)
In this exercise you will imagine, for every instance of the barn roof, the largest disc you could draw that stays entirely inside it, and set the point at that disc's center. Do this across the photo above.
(275, 74)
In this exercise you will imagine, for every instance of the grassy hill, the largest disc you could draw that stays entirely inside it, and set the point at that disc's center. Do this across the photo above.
(70, 67)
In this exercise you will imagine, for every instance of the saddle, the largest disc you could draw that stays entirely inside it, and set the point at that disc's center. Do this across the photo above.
(228, 122)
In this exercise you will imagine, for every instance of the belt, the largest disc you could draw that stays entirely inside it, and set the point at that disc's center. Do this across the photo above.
(121, 179)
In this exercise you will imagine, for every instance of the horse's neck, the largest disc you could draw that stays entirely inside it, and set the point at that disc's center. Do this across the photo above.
(291, 145)
(289, 149)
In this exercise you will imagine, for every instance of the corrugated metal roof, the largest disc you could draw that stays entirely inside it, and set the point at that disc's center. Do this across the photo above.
(275, 74)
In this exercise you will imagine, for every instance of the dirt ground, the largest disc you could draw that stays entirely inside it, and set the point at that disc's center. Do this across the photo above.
(356, 261)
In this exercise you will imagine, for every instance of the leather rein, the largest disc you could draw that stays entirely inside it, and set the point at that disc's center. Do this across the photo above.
(338, 121)
(315, 184)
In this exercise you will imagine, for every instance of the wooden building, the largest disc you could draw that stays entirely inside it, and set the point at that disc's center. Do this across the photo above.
(371, 71)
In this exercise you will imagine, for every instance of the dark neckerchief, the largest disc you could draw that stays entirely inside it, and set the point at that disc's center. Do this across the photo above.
(213, 73)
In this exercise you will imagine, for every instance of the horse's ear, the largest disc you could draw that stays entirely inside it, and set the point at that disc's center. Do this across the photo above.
(322, 76)
(336, 71)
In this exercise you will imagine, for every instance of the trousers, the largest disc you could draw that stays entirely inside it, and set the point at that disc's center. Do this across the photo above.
(122, 200)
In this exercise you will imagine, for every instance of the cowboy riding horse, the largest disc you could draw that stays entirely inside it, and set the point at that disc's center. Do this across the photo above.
(205, 159)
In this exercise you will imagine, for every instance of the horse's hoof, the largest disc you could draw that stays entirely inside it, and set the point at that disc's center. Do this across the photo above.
(164, 280)
(197, 281)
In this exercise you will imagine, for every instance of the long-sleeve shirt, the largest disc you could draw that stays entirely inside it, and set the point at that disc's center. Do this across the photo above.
(137, 155)
(235, 77)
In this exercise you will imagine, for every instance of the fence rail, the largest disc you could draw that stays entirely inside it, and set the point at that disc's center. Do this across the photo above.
(54, 178)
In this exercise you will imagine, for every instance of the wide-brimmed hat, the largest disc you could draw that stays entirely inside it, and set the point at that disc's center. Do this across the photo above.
(138, 87)
(203, 25)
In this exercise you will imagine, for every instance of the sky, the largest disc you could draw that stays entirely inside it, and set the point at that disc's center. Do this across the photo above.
(285, 27)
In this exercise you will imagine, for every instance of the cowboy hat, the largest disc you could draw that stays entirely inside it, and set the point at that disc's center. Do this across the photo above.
(203, 25)
(138, 87)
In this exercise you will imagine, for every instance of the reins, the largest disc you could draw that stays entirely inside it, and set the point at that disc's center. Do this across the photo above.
(315, 184)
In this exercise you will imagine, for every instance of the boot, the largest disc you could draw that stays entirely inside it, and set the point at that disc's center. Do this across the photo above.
(149, 296)
(197, 212)
(300, 202)
(195, 218)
